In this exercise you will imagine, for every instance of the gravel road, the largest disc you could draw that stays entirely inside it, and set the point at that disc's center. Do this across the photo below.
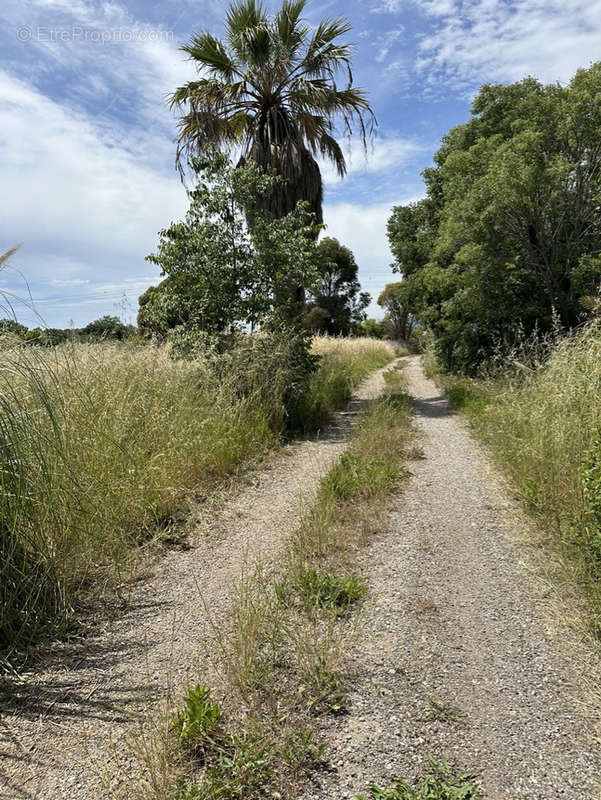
(56, 728)
(454, 633)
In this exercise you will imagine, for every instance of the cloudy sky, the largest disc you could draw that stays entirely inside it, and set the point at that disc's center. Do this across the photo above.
(87, 144)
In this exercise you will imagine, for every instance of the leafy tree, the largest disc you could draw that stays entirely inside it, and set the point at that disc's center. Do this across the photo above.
(107, 327)
(161, 309)
(374, 328)
(507, 240)
(221, 274)
(12, 327)
(337, 305)
(396, 299)
(48, 337)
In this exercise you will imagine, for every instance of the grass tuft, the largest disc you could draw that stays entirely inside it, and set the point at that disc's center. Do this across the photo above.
(325, 590)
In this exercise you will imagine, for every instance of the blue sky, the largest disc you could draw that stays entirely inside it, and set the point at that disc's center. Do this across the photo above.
(87, 143)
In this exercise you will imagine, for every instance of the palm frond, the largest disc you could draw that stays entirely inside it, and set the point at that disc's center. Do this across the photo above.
(290, 33)
(331, 150)
(209, 52)
(272, 90)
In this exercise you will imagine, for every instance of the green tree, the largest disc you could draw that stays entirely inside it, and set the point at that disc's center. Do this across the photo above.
(161, 309)
(337, 304)
(271, 88)
(221, 274)
(397, 300)
(507, 239)
(107, 327)
(12, 327)
(374, 328)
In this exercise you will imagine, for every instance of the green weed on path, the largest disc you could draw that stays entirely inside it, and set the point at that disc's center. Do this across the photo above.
(442, 783)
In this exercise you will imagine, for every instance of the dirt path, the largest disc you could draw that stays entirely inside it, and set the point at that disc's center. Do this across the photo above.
(60, 721)
(453, 624)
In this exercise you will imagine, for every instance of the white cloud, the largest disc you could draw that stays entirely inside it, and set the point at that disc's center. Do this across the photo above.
(384, 153)
(484, 40)
(88, 177)
(387, 7)
(84, 207)
(438, 8)
(362, 228)
(384, 43)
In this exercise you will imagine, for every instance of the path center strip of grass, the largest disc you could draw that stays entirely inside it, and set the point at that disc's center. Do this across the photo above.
(281, 661)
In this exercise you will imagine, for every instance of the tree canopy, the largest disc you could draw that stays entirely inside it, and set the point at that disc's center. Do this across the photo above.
(272, 89)
(508, 237)
(337, 303)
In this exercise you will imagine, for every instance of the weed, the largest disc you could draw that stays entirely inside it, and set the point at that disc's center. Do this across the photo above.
(439, 711)
(237, 770)
(199, 719)
(325, 590)
(443, 783)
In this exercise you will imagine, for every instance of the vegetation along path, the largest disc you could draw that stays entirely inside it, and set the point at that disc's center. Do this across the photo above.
(67, 724)
(455, 662)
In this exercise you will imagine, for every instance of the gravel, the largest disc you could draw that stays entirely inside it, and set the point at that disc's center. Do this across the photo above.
(453, 620)
(66, 724)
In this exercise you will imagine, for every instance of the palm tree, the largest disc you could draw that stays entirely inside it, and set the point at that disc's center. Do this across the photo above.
(270, 89)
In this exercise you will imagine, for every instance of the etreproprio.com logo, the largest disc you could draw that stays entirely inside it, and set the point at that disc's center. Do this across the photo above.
(25, 33)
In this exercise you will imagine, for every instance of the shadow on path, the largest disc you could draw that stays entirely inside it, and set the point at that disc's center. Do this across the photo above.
(432, 407)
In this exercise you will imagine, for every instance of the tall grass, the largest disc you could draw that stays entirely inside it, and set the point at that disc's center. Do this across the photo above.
(542, 419)
(101, 444)
(344, 362)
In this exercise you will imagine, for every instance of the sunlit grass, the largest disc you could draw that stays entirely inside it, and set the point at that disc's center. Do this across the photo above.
(101, 445)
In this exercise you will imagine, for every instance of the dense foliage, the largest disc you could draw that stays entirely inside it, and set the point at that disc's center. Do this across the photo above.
(397, 300)
(507, 239)
(223, 273)
(337, 303)
(107, 328)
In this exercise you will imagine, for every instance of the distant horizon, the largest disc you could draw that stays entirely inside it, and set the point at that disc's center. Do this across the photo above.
(87, 143)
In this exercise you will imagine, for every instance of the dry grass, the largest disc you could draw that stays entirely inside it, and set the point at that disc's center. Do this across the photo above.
(101, 445)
